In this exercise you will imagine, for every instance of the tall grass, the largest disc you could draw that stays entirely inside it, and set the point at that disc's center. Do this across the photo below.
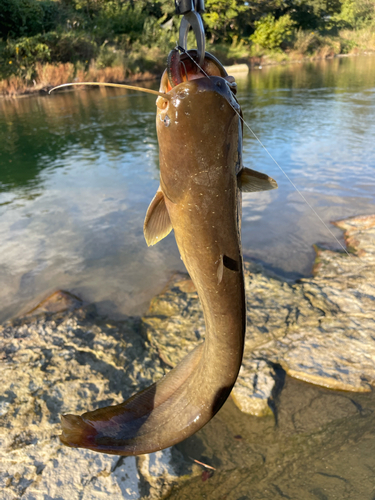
(358, 40)
(141, 64)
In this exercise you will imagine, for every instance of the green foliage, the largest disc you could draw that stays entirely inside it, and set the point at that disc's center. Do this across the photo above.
(154, 34)
(71, 46)
(238, 49)
(28, 17)
(108, 56)
(271, 33)
(53, 15)
(348, 13)
(355, 14)
(312, 14)
(20, 17)
(221, 18)
(19, 58)
(308, 42)
(117, 18)
(348, 46)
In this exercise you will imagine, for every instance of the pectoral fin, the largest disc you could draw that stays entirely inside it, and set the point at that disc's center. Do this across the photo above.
(157, 223)
(251, 181)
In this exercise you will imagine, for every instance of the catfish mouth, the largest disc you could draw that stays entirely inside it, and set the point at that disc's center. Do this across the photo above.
(185, 67)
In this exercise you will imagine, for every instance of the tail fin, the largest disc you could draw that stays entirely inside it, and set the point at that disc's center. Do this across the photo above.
(162, 415)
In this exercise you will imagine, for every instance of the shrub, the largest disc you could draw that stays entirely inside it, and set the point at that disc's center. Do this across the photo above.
(108, 57)
(19, 58)
(316, 44)
(71, 46)
(238, 49)
(117, 18)
(355, 14)
(154, 34)
(271, 33)
(308, 42)
(27, 17)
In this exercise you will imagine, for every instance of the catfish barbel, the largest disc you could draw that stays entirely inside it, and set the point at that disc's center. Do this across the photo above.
(201, 176)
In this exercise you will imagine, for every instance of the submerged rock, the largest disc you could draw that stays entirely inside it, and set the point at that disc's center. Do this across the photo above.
(62, 357)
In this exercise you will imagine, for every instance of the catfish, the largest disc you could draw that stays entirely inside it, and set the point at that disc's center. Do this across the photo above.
(199, 127)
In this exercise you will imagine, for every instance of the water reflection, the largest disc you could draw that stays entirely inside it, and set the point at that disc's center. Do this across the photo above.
(47, 132)
(316, 121)
(78, 170)
(77, 175)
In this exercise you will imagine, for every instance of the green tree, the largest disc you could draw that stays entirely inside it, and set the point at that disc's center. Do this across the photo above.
(20, 17)
(311, 14)
(116, 18)
(270, 33)
(221, 16)
(355, 14)
(27, 17)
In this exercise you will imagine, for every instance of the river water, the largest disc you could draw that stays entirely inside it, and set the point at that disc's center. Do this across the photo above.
(78, 170)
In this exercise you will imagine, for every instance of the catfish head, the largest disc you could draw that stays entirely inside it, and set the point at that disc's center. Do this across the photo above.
(197, 128)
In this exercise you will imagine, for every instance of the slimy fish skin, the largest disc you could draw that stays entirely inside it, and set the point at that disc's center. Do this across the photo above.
(201, 177)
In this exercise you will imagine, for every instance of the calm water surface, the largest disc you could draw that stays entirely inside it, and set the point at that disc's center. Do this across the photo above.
(78, 170)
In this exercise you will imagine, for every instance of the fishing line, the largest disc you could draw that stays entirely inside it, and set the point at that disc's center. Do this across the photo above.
(276, 163)
(292, 183)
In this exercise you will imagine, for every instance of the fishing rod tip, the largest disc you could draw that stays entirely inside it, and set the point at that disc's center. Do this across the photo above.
(118, 85)
(59, 86)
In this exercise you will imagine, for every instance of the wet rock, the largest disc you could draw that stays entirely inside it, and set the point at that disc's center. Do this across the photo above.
(72, 362)
(254, 387)
(59, 301)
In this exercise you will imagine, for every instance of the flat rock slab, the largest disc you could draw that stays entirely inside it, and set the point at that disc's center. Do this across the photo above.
(70, 362)
(62, 357)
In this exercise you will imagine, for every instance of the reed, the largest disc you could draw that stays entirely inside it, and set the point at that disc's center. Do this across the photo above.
(52, 75)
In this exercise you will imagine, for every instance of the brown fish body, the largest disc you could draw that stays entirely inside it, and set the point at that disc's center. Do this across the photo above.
(200, 140)
(204, 207)
(199, 183)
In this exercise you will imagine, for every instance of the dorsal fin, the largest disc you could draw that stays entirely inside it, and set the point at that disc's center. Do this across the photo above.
(157, 223)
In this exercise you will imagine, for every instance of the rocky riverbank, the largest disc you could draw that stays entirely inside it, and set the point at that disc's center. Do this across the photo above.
(63, 357)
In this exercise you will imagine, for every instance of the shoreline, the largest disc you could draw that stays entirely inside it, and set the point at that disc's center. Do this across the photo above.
(254, 62)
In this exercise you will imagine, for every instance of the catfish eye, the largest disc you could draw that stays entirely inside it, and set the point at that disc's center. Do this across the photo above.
(161, 103)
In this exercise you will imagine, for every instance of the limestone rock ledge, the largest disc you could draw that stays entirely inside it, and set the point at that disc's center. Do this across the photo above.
(60, 359)
(63, 357)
